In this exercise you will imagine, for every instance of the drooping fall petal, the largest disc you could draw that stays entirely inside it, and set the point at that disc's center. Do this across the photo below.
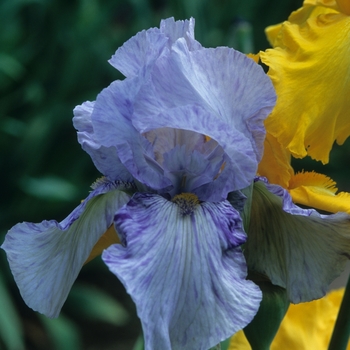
(182, 265)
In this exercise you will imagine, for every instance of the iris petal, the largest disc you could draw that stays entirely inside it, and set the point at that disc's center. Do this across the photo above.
(111, 120)
(309, 67)
(297, 249)
(106, 159)
(219, 93)
(45, 258)
(318, 191)
(186, 273)
(230, 86)
(275, 163)
(140, 52)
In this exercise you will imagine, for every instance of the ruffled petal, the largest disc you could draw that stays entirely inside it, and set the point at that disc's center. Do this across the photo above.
(106, 159)
(310, 70)
(318, 191)
(219, 93)
(45, 259)
(224, 82)
(184, 269)
(297, 249)
(111, 120)
(180, 29)
(139, 53)
(241, 164)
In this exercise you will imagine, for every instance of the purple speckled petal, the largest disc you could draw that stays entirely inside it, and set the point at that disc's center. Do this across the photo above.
(106, 159)
(189, 161)
(241, 162)
(230, 86)
(111, 120)
(298, 249)
(185, 272)
(177, 29)
(45, 258)
(139, 53)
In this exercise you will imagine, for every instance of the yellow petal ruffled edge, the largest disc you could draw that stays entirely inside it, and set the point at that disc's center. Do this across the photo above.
(318, 191)
(310, 79)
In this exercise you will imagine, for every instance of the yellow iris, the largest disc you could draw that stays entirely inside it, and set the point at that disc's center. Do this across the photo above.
(309, 68)
(305, 326)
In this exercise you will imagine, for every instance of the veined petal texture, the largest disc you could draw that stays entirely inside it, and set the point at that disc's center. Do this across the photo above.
(185, 270)
(139, 53)
(176, 83)
(45, 258)
(216, 92)
(106, 159)
(298, 249)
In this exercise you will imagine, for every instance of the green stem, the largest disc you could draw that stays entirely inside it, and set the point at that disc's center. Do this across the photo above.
(341, 332)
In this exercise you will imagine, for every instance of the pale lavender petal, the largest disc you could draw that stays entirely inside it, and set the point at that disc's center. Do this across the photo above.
(45, 258)
(184, 270)
(111, 120)
(232, 87)
(241, 165)
(298, 249)
(175, 30)
(106, 159)
(139, 52)
(190, 171)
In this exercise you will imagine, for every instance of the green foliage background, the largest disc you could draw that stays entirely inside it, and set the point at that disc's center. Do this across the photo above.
(53, 56)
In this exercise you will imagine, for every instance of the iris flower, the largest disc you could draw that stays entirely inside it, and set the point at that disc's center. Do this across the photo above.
(309, 64)
(178, 143)
(308, 67)
(172, 140)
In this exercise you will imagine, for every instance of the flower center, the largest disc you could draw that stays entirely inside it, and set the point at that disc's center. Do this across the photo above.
(187, 202)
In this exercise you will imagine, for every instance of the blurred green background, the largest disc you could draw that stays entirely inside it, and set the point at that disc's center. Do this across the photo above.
(53, 56)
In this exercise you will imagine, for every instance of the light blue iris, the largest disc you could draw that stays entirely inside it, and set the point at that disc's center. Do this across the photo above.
(181, 131)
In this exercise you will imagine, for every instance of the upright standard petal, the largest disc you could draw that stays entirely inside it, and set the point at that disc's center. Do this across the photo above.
(309, 67)
(226, 83)
(113, 127)
(140, 52)
(45, 259)
(219, 93)
(106, 159)
(297, 249)
(182, 265)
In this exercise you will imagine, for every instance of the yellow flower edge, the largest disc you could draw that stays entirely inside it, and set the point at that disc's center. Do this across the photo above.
(318, 191)
(310, 69)
(306, 326)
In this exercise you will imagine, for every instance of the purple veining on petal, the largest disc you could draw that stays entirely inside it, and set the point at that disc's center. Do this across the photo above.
(45, 258)
(298, 249)
(105, 159)
(186, 273)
